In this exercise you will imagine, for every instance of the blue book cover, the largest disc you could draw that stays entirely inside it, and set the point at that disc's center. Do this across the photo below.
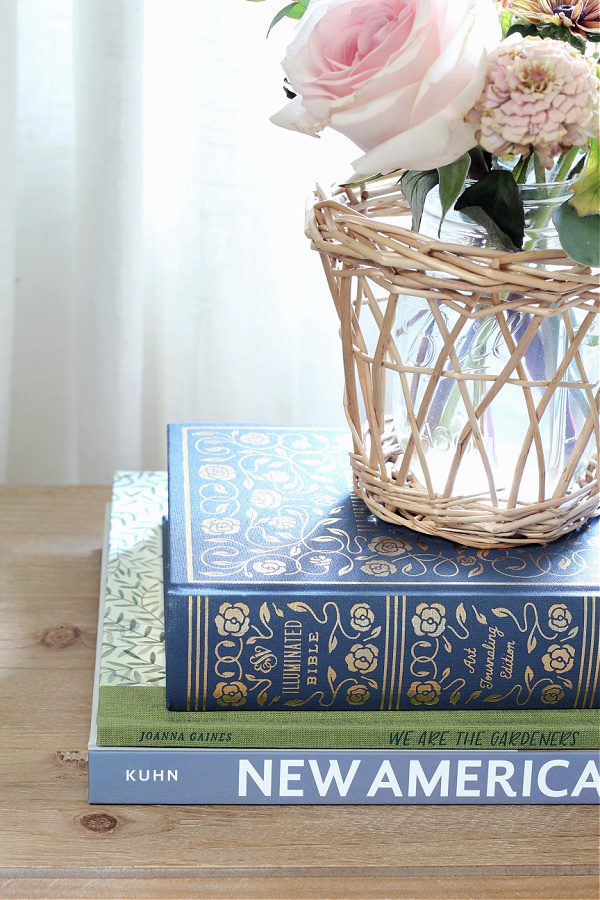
(133, 775)
(282, 591)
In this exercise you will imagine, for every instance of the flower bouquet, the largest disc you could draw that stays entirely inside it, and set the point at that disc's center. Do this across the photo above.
(470, 339)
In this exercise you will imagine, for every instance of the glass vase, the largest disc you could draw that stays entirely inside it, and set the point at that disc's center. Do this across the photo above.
(527, 464)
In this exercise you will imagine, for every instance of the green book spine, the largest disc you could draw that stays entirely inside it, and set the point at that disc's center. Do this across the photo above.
(135, 716)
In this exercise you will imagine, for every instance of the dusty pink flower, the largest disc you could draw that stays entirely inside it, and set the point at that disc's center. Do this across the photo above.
(540, 94)
(395, 76)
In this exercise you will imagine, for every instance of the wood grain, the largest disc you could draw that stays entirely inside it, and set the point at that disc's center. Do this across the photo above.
(52, 844)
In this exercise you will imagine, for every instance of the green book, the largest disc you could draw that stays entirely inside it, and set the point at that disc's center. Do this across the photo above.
(131, 696)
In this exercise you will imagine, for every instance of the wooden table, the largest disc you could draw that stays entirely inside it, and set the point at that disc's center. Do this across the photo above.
(52, 844)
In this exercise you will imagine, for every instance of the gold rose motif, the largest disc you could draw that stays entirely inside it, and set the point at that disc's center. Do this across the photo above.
(217, 473)
(278, 476)
(379, 567)
(362, 658)
(559, 658)
(323, 500)
(221, 526)
(263, 660)
(424, 693)
(559, 617)
(266, 499)
(429, 619)
(282, 523)
(254, 439)
(230, 694)
(552, 693)
(361, 616)
(388, 546)
(357, 694)
(269, 567)
(233, 619)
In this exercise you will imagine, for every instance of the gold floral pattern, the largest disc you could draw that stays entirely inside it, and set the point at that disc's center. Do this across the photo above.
(277, 476)
(357, 694)
(263, 659)
(232, 694)
(233, 619)
(429, 619)
(552, 693)
(221, 526)
(217, 472)
(281, 523)
(263, 498)
(559, 617)
(362, 617)
(381, 568)
(269, 567)
(388, 546)
(254, 439)
(362, 658)
(424, 693)
(559, 658)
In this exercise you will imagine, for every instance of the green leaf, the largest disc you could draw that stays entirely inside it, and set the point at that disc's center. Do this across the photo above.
(586, 190)
(291, 11)
(452, 180)
(579, 235)
(481, 163)
(562, 33)
(497, 236)
(495, 202)
(506, 18)
(526, 29)
(415, 187)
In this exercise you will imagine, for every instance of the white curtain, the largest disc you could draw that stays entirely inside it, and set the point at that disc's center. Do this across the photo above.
(153, 266)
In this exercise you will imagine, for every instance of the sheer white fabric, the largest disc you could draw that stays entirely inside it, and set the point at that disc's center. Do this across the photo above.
(153, 266)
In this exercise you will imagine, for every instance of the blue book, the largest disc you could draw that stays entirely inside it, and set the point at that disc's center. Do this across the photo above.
(282, 591)
(132, 775)
(243, 776)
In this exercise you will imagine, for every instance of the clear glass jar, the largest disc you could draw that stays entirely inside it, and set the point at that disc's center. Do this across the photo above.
(481, 353)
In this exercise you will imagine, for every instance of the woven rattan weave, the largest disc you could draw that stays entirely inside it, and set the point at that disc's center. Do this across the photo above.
(372, 258)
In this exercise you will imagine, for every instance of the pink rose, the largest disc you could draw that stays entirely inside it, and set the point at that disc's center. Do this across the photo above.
(395, 76)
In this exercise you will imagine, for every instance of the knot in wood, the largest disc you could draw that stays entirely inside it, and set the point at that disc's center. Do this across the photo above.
(74, 758)
(100, 823)
(63, 636)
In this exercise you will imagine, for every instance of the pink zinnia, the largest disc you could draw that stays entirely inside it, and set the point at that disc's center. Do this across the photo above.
(540, 94)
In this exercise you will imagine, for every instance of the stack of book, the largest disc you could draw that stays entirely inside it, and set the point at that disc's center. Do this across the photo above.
(264, 639)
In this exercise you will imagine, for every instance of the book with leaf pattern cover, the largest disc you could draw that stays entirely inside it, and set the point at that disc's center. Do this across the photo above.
(285, 593)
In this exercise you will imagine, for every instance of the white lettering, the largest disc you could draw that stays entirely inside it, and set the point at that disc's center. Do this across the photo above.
(542, 775)
(285, 776)
(333, 774)
(130, 776)
(172, 774)
(158, 775)
(385, 778)
(416, 774)
(500, 778)
(527, 777)
(263, 782)
(462, 776)
(589, 778)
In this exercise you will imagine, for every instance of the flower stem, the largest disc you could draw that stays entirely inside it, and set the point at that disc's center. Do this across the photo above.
(520, 170)
(540, 171)
(566, 163)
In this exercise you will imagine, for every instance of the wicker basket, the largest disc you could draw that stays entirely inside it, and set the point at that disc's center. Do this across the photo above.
(369, 263)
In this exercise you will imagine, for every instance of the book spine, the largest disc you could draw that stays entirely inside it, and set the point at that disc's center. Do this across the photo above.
(164, 732)
(479, 651)
(342, 777)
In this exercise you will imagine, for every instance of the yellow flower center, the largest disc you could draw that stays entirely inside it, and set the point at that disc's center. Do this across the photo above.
(536, 77)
